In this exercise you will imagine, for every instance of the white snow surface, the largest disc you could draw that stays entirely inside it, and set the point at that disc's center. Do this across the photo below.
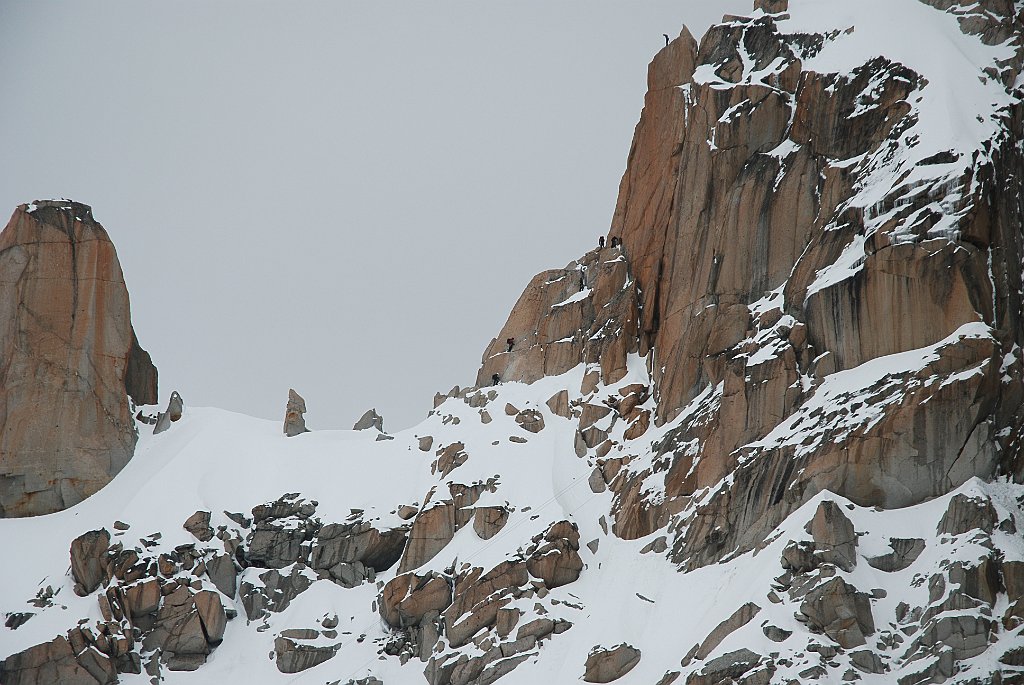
(575, 297)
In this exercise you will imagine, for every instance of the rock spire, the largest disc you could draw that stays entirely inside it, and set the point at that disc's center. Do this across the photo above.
(69, 360)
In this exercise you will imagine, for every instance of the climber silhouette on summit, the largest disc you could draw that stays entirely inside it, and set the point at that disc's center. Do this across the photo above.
(666, 38)
(600, 241)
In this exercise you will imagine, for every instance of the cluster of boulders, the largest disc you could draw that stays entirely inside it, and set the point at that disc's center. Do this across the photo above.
(598, 417)
(529, 419)
(286, 538)
(157, 612)
(166, 609)
(959, 622)
(844, 637)
(470, 604)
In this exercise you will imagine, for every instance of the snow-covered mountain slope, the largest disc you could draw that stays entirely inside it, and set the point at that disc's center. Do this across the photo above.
(769, 433)
(626, 592)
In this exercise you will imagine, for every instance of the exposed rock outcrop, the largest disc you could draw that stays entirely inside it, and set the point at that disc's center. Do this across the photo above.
(966, 514)
(273, 591)
(280, 531)
(356, 551)
(841, 612)
(70, 360)
(727, 667)
(199, 525)
(742, 616)
(371, 419)
(408, 598)
(188, 626)
(294, 655)
(555, 556)
(584, 313)
(904, 553)
(88, 559)
(56, 662)
(294, 419)
(437, 521)
(607, 665)
(834, 537)
(175, 408)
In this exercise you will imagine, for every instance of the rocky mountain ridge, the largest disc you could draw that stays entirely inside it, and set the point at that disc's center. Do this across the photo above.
(827, 236)
(767, 433)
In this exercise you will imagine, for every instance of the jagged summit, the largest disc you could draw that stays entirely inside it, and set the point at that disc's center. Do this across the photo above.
(767, 432)
(50, 210)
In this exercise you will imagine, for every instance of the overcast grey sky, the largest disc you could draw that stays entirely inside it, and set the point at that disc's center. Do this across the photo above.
(346, 198)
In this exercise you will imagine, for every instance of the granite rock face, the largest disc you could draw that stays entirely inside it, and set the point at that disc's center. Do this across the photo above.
(584, 313)
(70, 360)
(802, 285)
(822, 303)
